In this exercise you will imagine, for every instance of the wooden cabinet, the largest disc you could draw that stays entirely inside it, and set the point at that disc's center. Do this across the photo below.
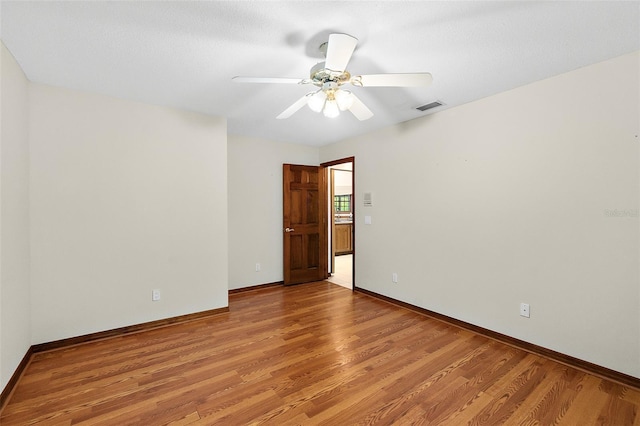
(343, 238)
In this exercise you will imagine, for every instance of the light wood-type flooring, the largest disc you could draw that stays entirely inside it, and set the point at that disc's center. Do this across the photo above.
(343, 271)
(310, 354)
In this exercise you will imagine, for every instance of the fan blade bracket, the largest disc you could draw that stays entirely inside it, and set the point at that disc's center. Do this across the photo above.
(356, 81)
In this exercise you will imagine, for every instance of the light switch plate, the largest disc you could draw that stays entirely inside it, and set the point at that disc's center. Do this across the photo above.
(367, 220)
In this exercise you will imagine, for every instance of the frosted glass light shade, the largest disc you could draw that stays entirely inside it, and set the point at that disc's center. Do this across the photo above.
(331, 109)
(344, 98)
(316, 101)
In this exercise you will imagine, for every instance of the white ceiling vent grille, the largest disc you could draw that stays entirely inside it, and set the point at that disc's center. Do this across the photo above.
(433, 104)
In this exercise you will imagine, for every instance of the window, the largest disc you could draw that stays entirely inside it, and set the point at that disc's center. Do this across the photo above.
(342, 203)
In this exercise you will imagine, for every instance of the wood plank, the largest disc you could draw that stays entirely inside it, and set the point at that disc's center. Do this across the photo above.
(310, 354)
(570, 361)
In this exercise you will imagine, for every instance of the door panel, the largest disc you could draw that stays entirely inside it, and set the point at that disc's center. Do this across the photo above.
(297, 258)
(313, 251)
(296, 210)
(305, 236)
(313, 208)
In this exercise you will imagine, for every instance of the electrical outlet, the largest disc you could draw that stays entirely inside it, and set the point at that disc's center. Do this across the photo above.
(155, 295)
(524, 310)
(257, 267)
(394, 277)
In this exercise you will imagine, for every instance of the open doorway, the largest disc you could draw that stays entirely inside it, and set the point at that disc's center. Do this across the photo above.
(341, 226)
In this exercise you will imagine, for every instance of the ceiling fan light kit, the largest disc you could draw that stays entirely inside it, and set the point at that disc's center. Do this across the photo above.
(331, 74)
(331, 109)
(327, 99)
(344, 99)
(316, 101)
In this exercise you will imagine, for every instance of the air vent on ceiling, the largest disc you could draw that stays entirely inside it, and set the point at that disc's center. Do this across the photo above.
(434, 104)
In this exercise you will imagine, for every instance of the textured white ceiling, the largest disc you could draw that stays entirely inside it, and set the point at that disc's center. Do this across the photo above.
(184, 54)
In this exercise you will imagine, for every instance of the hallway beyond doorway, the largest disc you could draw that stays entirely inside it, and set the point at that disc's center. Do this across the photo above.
(343, 271)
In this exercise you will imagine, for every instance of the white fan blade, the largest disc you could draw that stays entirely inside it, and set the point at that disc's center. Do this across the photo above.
(295, 107)
(393, 80)
(269, 80)
(359, 109)
(339, 50)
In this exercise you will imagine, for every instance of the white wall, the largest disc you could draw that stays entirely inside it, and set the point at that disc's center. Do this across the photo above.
(343, 182)
(255, 206)
(125, 198)
(513, 199)
(15, 324)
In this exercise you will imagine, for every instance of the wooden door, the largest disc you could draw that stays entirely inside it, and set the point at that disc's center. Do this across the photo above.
(343, 240)
(332, 217)
(304, 224)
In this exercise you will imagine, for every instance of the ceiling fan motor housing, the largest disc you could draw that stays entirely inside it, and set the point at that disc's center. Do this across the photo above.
(320, 75)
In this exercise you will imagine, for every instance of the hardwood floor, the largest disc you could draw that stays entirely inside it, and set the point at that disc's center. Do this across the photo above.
(310, 354)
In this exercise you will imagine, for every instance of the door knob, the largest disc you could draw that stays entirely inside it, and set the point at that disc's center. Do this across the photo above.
(289, 229)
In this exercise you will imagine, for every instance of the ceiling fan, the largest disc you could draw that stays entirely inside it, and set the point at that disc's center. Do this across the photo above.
(329, 76)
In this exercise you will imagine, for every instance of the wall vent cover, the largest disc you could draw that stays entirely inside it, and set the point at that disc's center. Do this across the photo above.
(434, 104)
